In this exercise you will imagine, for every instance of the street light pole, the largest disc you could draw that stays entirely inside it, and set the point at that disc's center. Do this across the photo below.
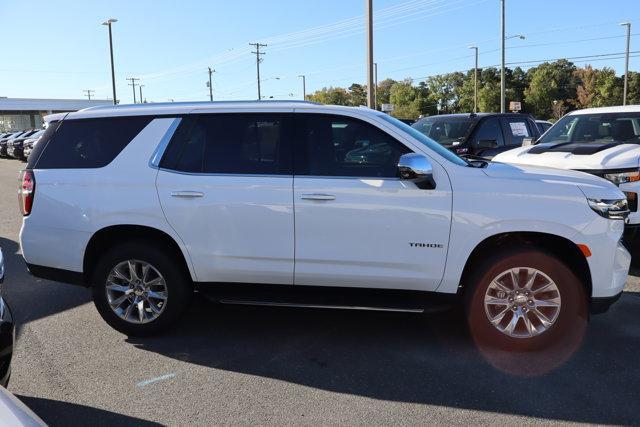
(108, 23)
(140, 89)
(502, 38)
(626, 62)
(370, 94)
(475, 81)
(304, 86)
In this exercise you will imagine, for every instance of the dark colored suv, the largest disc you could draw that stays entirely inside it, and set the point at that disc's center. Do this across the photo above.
(481, 135)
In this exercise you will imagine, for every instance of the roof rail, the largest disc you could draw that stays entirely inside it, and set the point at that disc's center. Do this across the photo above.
(202, 103)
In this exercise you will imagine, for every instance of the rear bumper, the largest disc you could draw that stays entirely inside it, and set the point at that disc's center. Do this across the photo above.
(57, 274)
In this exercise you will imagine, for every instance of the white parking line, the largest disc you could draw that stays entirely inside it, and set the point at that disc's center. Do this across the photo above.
(155, 380)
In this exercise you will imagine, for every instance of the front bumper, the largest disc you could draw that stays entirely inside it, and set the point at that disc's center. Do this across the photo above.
(632, 191)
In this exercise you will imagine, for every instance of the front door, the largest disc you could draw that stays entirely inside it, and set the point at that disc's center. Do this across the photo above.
(356, 223)
(226, 186)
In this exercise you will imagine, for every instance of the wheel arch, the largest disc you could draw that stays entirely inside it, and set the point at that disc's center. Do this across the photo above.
(107, 237)
(561, 247)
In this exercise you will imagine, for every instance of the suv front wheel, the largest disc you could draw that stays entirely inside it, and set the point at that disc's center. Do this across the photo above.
(139, 289)
(525, 300)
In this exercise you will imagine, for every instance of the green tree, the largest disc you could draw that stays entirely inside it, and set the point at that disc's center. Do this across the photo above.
(383, 91)
(633, 89)
(550, 81)
(444, 90)
(357, 95)
(330, 96)
(407, 100)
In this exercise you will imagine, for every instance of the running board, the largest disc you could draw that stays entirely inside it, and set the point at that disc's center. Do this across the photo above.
(321, 306)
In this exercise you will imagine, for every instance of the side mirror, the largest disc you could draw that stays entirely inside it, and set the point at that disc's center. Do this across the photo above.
(487, 143)
(417, 168)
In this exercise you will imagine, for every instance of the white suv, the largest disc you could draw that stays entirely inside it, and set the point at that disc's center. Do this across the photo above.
(294, 203)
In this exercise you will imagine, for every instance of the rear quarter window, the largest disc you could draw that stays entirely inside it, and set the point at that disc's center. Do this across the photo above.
(90, 143)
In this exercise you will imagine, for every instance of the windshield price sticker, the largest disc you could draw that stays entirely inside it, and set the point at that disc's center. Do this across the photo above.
(519, 129)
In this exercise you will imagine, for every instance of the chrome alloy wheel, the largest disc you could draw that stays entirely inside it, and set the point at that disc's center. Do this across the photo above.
(136, 291)
(522, 302)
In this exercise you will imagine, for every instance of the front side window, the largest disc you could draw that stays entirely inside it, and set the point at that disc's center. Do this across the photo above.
(490, 130)
(342, 146)
(596, 128)
(446, 130)
(230, 144)
(90, 143)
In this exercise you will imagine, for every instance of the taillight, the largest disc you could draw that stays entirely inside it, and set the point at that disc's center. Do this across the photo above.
(26, 191)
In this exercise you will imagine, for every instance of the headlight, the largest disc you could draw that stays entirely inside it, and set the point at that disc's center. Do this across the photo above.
(611, 209)
(623, 177)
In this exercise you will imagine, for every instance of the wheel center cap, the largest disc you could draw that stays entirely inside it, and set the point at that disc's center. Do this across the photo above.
(138, 290)
(521, 299)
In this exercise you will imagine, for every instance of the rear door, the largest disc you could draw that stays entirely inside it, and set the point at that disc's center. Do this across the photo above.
(225, 185)
(516, 129)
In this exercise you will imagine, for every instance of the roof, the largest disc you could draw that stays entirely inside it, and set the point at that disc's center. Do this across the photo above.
(471, 115)
(176, 108)
(33, 104)
(601, 110)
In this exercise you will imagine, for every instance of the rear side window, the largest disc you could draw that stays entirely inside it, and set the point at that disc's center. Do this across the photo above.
(92, 143)
(231, 144)
(42, 142)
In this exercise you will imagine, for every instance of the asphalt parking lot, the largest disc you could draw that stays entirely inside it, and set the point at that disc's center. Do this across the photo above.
(243, 365)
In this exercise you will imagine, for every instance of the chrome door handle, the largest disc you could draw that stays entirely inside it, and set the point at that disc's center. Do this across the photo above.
(186, 194)
(318, 197)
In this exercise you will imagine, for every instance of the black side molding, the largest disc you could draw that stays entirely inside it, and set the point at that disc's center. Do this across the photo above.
(601, 305)
(57, 275)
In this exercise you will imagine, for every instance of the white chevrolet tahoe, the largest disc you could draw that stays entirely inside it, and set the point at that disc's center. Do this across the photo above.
(299, 204)
(600, 141)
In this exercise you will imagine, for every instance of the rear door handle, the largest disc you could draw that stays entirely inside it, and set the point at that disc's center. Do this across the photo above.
(316, 196)
(187, 194)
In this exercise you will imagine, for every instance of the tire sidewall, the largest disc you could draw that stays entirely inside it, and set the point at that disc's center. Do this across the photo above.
(179, 290)
(573, 310)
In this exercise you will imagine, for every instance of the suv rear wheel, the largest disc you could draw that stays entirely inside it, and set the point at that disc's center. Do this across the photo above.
(139, 289)
(525, 300)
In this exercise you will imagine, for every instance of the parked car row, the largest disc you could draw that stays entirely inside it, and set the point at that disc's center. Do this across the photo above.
(18, 145)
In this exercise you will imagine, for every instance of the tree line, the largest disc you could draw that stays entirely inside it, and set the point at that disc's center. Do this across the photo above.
(547, 91)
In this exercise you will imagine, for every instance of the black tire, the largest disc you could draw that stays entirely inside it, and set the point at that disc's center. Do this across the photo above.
(571, 319)
(179, 287)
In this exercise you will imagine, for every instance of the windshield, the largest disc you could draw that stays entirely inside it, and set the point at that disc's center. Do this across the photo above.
(595, 128)
(422, 138)
(447, 131)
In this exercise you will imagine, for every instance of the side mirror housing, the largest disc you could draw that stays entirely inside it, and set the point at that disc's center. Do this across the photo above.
(417, 168)
(487, 143)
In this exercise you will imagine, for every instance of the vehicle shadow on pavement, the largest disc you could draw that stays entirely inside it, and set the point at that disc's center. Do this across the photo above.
(32, 298)
(418, 359)
(58, 413)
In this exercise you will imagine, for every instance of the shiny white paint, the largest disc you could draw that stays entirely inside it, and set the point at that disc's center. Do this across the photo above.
(259, 229)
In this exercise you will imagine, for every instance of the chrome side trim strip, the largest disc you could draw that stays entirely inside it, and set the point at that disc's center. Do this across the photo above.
(322, 306)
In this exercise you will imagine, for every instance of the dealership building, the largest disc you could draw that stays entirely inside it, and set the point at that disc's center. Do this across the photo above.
(27, 113)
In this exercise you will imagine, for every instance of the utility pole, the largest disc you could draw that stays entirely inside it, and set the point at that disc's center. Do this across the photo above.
(475, 81)
(258, 61)
(211, 71)
(375, 89)
(133, 85)
(88, 93)
(626, 62)
(502, 43)
(108, 23)
(140, 88)
(370, 89)
(304, 86)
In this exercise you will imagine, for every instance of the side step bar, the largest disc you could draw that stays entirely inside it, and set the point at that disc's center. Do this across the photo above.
(321, 306)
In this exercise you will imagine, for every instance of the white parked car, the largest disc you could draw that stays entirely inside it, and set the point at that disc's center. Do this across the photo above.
(601, 141)
(295, 203)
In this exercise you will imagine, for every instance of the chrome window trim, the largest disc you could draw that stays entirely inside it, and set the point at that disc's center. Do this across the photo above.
(154, 162)
(267, 175)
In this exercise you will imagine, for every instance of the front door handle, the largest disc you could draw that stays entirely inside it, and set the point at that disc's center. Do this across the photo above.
(187, 194)
(316, 196)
